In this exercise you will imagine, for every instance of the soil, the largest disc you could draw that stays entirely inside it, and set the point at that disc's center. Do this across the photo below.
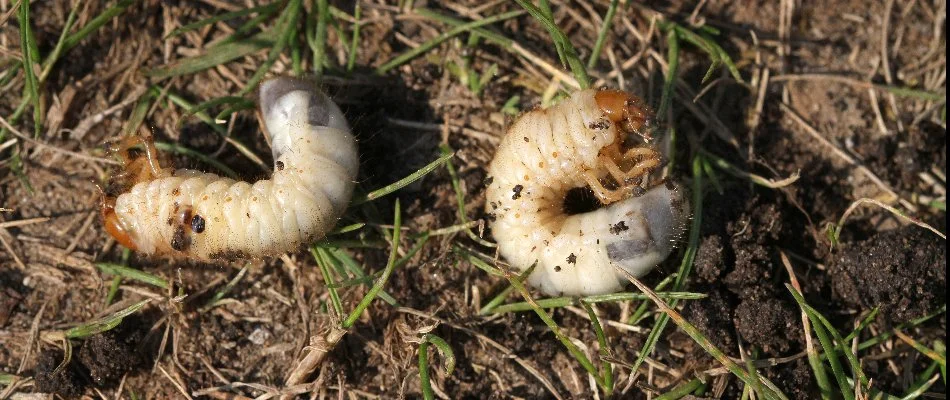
(69, 381)
(246, 341)
(903, 272)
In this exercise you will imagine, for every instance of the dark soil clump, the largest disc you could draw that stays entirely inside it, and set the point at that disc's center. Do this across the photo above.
(713, 316)
(67, 382)
(110, 355)
(101, 361)
(770, 323)
(738, 259)
(903, 271)
(795, 380)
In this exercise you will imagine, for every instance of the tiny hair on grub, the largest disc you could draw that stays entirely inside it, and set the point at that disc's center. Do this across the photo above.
(596, 140)
(205, 217)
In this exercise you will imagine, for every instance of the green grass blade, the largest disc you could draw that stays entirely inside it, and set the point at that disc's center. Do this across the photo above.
(235, 107)
(467, 255)
(60, 43)
(819, 371)
(941, 349)
(70, 42)
(137, 117)
(565, 49)
(424, 47)
(420, 242)
(447, 354)
(287, 27)
(495, 302)
(685, 266)
(556, 302)
(348, 228)
(355, 39)
(220, 129)
(857, 372)
(460, 197)
(220, 293)
(319, 45)
(113, 290)
(602, 34)
(215, 56)
(826, 343)
(188, 106)
(200, 108)
(682, 390)
(913, 93)
(548, 15)
(884, 336)
(673, 62)
(864, 324)
(8, 379)
(392, 187)
(247, 27)
(390, 265)
(323, 262)
(710, 47)
(927, 378)
(30, 56)
(576, 352)
(606, 368)
(641, 310)
(96, 23)
(133, 274)
(104, 324)
(222, 17)
(353, 267)
(924, 350)
(749, 378)
(481, 32)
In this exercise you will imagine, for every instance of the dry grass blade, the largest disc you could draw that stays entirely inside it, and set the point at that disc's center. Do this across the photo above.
(755, 178)
(316, 352)
(930, 353)
(751, 379)
(409, 55)
(844, 156)
(900, 91)
(835, 230)
(55, 149)
(22, 222)
(324, 343)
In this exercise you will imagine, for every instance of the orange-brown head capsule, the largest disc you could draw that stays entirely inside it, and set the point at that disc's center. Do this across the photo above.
(613, 103)
(628, 110)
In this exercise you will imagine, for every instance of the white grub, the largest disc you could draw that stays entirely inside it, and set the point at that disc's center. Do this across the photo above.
(205, 216)
(583, 141)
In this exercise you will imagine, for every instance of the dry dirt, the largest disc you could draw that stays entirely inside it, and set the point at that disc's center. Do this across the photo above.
(248, 343)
